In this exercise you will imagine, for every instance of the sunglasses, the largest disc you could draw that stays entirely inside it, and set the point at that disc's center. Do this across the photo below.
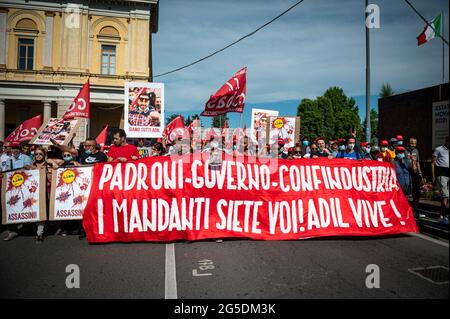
(38, 154)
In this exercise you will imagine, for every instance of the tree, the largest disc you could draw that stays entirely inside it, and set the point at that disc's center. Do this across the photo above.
(191, 119)
(386, 90)
(219, 120)
(332, 115)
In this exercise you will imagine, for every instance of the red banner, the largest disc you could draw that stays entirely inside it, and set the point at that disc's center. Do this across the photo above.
(80, 106)
(24, 131)
(230, 97)
(166, 199)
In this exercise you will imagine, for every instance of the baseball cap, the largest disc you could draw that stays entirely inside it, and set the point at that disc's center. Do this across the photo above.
(384, 143)
(393, 140)
(400, 149)
(364, 144)
(399, 138)
(281, 141)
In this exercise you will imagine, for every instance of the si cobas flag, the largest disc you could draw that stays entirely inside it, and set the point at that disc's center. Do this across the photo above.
(24, 131)
(80, 106)
(230, 97)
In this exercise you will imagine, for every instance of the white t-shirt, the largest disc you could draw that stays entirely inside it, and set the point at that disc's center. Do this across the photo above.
(5, 162)
(441, 153)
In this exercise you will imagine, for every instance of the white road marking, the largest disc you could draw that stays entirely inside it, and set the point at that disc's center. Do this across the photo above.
(196, 274)
(439, 242)
(171, 273)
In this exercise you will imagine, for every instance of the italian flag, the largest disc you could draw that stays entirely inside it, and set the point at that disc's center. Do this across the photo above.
(428, 33)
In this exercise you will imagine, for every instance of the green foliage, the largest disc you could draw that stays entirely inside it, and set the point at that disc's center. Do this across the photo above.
(218, 121)
(332, 115)
(386, 90)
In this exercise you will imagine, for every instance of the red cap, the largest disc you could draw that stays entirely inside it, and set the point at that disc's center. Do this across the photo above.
(384, 143)
(319, 138)
(364, 144)
(400, 149)
(281, 141)
(399, 138)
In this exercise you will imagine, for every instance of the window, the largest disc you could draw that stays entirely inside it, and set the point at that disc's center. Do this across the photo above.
(108, 59)
(26, 54)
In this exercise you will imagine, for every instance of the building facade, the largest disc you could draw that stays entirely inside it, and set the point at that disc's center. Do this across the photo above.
(50, 48)
(411, 114)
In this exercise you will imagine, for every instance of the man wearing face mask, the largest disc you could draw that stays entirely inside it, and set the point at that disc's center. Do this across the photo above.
(305, 147)
(350, 152)
(403, 170)
(384, 153)
(365, 150)
(399, 139)
(88, 155)
(393, 144)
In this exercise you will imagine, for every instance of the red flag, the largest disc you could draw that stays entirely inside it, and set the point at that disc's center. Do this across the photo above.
(24, 131)
(174, 129)
(230, 97)
(80, 106)
(101, 138)
(193, 126)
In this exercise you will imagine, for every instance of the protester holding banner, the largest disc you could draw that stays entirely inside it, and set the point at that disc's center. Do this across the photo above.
(350, 152)
(158, 149)
(375, 153)
(40, 162)
(385, 155)
(88, 154)
(121, 151)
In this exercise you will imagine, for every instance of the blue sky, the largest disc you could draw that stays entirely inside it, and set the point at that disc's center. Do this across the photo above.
(318, 44)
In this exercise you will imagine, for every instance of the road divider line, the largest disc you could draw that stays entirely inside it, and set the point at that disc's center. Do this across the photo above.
(171, 273)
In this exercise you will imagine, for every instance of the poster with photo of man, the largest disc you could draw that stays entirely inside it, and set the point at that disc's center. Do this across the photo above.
(144, 109)
(62, 131)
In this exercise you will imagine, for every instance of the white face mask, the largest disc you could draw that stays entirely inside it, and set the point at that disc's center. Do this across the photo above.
(383, 149)
(351, 146)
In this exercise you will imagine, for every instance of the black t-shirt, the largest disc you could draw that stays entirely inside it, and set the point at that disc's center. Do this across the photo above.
(86, 159)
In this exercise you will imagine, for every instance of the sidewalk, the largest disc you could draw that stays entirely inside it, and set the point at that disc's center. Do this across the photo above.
(430, 223)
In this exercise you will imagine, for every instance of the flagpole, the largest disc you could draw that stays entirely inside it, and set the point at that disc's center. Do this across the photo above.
(443, 48)
(368, 128)
(240, 121)
(88, 127)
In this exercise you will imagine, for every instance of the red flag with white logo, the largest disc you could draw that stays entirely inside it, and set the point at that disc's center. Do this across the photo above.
(174, 129)
(24, 131)
(230, 97)
(80, 106)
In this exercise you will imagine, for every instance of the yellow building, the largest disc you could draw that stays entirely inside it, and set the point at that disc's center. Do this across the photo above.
(50, 48)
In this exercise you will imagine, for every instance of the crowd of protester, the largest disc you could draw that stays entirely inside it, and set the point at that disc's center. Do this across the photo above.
(405, 159)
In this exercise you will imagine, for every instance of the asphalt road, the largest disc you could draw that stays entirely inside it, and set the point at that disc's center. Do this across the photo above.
(231, 269)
